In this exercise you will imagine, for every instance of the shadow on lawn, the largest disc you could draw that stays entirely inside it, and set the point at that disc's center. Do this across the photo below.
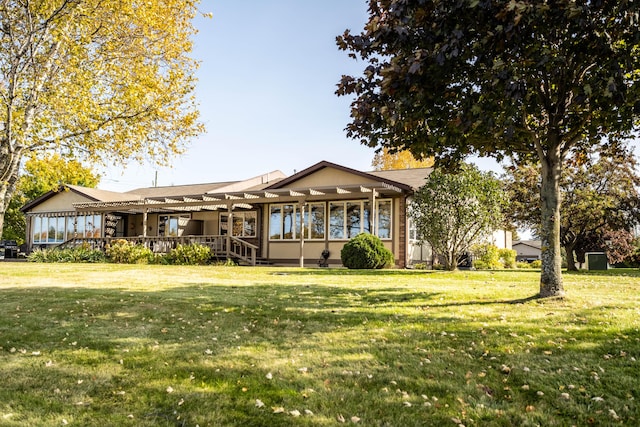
(358, 342)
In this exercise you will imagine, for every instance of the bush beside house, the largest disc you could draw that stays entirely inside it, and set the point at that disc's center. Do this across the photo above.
(366, 251)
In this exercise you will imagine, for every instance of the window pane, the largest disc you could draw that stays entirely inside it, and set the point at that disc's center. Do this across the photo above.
(43, 230)
(60, 230)
(97, 222)
(316, 221)
(336, 220)
(367, 218)
(80, 225)
(89, 227)
(384, 219)
(162, 224)
(288, 213)
(237, 227)
(172, 227)
(275, 223)
(71, 227)
(37, 223)
(353, 219)
(250, 224)
(51, 238)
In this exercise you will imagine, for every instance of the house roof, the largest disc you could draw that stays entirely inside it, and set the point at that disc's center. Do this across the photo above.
(93, 194)
(253, 183)
(536, 244)
(267, 188)
(387, 177)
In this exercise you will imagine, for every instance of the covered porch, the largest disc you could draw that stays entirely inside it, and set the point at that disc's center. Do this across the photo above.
(229, 210)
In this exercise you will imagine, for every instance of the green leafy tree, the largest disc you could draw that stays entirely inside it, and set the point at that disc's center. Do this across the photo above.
(452, 212)
(529, 79)
(100, 80)
(600, 202)
(39, 177)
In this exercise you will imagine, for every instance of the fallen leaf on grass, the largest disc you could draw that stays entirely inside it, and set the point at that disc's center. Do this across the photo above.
(259, 403)
(278, 409)
(294, 413)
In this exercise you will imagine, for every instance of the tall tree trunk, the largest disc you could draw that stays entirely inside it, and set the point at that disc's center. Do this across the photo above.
(3, 206)
(551, 276)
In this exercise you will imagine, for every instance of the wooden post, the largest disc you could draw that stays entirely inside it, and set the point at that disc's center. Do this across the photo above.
(301, 232)
(145, 214)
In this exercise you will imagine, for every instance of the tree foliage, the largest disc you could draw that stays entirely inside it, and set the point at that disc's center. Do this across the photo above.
(387, 160)
(101, 80)
(40, 176)
(600, 202)
(452, 212)
(498, 78)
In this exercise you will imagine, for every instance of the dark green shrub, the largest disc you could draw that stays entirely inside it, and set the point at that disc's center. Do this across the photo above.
(195, 254)
(366, 251)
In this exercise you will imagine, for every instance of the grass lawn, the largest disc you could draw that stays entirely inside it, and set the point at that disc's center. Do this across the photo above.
(112, 345)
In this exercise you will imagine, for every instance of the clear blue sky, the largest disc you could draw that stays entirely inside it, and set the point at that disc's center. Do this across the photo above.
(267, 78)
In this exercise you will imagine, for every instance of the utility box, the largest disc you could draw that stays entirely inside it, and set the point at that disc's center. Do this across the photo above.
(596, 261)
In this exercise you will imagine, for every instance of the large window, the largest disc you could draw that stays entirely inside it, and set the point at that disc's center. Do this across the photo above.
(55, 230)
(170, 225)
(286, 222)
(244, 223)
(350, 218)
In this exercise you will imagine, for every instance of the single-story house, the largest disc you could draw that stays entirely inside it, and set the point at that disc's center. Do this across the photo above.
(527, 250)
(272, 217)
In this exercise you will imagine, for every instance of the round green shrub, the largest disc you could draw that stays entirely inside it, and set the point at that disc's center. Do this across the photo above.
(366, 251)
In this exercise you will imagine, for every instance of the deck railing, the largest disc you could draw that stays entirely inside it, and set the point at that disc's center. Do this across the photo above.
(221, 246)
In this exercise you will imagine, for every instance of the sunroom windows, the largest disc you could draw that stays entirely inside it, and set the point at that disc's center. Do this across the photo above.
(338, 220)
(56, 230)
